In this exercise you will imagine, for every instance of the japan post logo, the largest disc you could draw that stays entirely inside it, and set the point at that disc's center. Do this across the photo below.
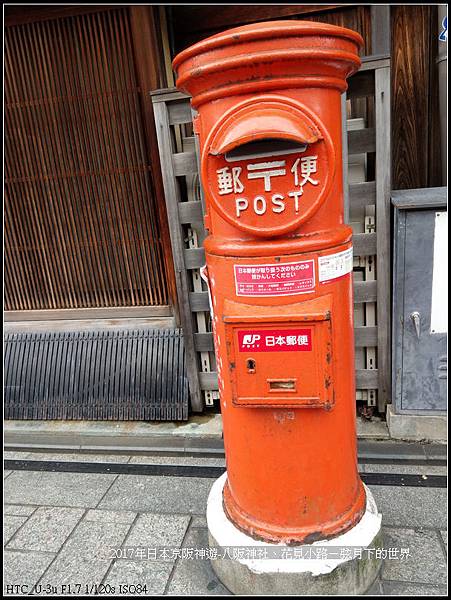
(250, 340)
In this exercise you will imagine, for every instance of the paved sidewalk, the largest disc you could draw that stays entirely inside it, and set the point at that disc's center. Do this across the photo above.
(62, 529)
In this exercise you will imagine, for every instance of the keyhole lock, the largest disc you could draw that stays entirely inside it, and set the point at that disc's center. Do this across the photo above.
(250, 365)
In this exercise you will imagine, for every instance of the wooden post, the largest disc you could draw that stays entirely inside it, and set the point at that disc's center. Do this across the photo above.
(149, 71)
(172, 195)
(380, 29)
(383, 259)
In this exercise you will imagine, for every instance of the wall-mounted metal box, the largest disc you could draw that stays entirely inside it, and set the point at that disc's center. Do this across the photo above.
(420, 317)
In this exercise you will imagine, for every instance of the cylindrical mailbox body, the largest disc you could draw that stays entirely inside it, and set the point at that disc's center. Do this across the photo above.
(279, 263)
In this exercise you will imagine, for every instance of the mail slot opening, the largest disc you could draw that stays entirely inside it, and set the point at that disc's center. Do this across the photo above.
(263, 148)
(282, 385)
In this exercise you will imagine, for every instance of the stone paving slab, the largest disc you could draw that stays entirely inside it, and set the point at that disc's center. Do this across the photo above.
(11, 524)
(195, 577)
(436, 450)
(78, 457)
(426, 562)
(154, 575)
(158, 494)
(86, 555)
(83, 490)
(6, 473)
(157, 530)
(110, 516)
(199, 521)
(391, 449)
(397, 588)
(150, 511)
(410, 506)
(404, 469)
(47, 529)
(24, 568)
(15, 455)
(375, 589)
(19, 510)
(178, 460)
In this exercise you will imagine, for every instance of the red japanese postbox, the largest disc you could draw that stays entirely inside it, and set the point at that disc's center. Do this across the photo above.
(279, 266)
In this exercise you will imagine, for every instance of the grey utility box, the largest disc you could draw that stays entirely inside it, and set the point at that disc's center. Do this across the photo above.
(420, 308)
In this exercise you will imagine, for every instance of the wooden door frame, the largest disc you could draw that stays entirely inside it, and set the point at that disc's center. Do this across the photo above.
(150, 73)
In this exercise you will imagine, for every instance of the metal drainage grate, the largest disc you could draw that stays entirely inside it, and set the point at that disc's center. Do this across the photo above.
(123, 375)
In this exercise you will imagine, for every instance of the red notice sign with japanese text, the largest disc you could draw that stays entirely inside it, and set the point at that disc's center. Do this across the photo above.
(275, 340)
(275, 280)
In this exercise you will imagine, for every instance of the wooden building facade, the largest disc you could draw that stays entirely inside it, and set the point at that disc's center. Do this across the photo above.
(408, 33)
(85, 224)
(87, 232)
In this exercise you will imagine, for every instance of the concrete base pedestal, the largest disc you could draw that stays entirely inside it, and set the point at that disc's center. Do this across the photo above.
(347, 564)
(414, 428)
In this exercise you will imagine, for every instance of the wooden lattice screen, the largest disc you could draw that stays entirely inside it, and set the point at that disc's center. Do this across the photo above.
(82, 228)
(367, 200)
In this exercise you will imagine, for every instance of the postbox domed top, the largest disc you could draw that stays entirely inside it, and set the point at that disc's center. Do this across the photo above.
(268, 56)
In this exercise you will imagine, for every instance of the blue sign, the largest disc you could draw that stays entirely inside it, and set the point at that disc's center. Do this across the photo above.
(443, 37)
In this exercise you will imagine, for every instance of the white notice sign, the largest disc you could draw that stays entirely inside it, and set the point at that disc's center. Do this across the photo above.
(335, 265)
(439, 308)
